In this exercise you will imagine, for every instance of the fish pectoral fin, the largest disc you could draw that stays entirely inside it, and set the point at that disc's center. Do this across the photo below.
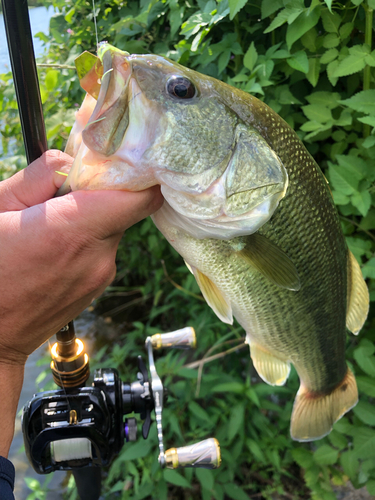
(214, 297)
(358, 296)
(271, 369)
(270, 261)
(315, 413)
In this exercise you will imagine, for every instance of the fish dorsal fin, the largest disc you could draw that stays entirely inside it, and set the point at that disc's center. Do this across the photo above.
(358, 297)
(271, 369)
(315, 413)
(270, 261)
(214, 297)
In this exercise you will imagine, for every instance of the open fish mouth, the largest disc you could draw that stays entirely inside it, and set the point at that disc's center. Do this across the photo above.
(108, 82)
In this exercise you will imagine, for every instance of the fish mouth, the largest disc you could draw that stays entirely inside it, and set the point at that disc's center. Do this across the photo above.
(108, 82)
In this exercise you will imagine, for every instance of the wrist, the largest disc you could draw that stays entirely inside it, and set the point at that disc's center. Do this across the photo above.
(11, 378)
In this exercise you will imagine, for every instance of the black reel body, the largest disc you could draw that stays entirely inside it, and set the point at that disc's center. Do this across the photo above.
(79, 427)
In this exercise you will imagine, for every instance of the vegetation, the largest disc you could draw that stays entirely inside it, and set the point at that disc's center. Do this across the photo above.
(313, 63)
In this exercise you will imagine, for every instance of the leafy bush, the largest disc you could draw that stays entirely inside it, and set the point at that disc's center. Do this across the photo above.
(314, 66)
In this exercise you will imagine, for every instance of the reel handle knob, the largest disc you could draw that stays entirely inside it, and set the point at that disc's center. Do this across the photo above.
(205, 455)
(183, 339)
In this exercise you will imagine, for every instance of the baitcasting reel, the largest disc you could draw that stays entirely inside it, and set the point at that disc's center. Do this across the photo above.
(84, 426)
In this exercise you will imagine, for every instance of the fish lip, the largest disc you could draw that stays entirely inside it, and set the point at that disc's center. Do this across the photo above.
(110, 119)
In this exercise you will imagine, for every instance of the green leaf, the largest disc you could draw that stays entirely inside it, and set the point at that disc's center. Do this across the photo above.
(314, 71)
(174, 477)
(368, 271)
(137, 450)
(340, 198)
(362, 201)
(68, 16)
(236, 420)
(51, 80)
(198, 411)
(250, 57)
(304, 22)
(224, 60)
(331, 68)
(206, 478)
(363, 442)
(325, 455)
(235, 492)
(331, 40)
(349, 66)
(317, 112)
(331, 21)
(329, 55)
(235, 6)
(346, 30)
(362, 355)
(366, 385)
(358, 246)
(342, 181)
(279, 20)
(327, 99)
(369, 142)
(365, 412)
(235, 387)
(369, 120)
(329, 4)
(349, 462)
(270, 6)
(299, 61)
(303, 457)
(363, 101)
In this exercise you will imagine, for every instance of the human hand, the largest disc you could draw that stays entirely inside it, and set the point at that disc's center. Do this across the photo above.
(56, 255)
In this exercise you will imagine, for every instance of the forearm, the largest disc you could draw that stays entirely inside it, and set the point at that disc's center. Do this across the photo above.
(11, 378)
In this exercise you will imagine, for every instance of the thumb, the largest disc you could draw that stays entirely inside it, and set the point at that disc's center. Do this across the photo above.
(36, 183)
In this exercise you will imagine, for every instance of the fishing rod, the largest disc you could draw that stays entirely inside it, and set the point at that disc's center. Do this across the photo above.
(80, 428)
(26, 83)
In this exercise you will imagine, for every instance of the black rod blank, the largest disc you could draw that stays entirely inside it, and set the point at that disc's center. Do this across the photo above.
(25, 76)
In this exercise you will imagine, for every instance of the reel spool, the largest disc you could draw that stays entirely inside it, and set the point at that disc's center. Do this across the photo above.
(84, 426)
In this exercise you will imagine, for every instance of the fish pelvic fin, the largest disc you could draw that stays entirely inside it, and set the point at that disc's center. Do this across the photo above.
(358, 296)
(315, 413)
(271, 261)
(213, 296)
(271, 369)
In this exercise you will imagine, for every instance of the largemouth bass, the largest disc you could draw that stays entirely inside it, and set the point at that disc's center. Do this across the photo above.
(245, 205)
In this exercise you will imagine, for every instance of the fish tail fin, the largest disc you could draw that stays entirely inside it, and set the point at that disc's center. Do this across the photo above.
(314, 414)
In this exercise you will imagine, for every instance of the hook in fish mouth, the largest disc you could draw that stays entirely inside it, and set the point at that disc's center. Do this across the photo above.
(106, 78)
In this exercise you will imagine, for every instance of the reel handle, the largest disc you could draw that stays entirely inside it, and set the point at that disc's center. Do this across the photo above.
(182, 339)
(204, 455)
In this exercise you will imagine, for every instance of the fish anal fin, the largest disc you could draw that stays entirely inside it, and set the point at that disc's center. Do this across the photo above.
(358, 296)
(314, 414)
(214, 297)
(271, 369)
(271, 261)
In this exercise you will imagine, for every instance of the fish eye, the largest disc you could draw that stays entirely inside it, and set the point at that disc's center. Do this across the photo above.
(181, 87)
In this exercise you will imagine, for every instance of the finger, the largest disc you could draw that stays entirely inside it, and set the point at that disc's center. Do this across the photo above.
(36, 183)
(101, 213)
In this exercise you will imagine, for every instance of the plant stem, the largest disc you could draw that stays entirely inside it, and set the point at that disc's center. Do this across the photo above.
(367, 71)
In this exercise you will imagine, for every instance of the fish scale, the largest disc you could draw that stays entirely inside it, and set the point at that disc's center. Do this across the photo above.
(248, 209)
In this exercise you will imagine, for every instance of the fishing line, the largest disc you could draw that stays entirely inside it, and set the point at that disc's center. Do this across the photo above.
(96, 28)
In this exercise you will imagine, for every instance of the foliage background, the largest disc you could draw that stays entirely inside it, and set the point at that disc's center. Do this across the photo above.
(313, 63)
